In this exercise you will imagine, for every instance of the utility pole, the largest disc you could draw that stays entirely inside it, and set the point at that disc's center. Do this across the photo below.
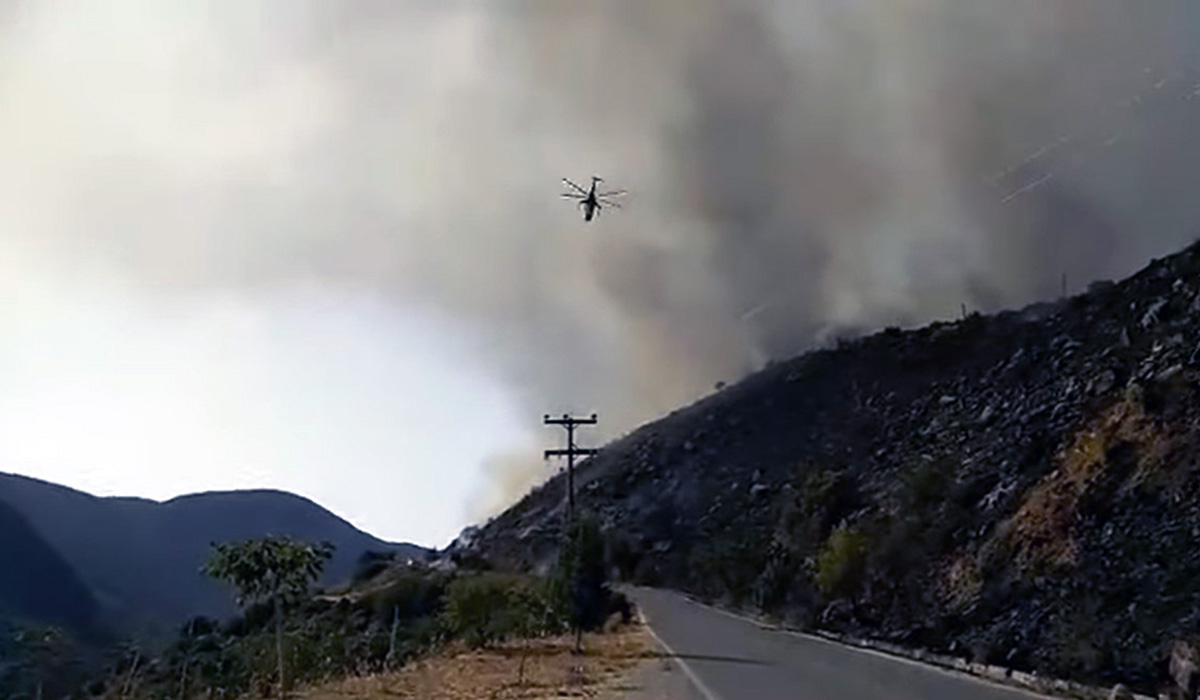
(570, 423)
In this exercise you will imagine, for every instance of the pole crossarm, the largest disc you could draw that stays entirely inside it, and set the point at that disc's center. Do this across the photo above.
(577, 452)
(567, 420)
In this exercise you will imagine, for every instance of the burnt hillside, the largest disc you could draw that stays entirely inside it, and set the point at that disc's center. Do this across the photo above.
(1019, 488)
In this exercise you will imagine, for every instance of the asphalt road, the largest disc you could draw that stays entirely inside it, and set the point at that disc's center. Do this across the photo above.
(730, 658)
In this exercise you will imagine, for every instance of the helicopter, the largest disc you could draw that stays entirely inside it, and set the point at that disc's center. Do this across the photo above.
(590, 200)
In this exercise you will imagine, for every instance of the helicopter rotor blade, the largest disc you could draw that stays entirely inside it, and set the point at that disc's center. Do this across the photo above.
(572, 195)
(614, 193)
(611, 204)
(577, 187)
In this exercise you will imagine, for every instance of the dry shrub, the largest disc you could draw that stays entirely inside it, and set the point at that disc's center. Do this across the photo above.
(961, 583)
(1123, 445)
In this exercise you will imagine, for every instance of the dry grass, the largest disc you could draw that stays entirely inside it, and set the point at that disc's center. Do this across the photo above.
(551, 671)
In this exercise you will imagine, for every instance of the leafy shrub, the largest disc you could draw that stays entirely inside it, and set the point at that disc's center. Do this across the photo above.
(472, 607)
(328, 648)
(485, 608)
(840, 563)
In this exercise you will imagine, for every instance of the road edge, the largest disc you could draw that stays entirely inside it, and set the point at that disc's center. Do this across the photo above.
(1007, 677)
(693, 678)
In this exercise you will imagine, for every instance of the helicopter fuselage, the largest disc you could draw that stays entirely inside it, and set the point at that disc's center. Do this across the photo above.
(591, 201)
(590, 205)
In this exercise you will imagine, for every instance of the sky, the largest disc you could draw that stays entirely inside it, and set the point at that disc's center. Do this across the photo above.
(362, 407)
(319, 246)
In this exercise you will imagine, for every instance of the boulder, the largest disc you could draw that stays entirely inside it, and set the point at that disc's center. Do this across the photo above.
(1185, 668)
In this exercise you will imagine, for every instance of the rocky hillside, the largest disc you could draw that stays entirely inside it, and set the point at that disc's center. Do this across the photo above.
(1020, 488)
(142, 558)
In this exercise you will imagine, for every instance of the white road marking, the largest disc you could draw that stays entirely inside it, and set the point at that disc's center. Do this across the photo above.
(687, 670)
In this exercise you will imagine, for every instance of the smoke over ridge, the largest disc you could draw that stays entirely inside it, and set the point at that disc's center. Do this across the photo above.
(797, 168)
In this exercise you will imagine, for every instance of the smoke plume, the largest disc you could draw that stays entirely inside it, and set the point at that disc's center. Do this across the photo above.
(797, 168)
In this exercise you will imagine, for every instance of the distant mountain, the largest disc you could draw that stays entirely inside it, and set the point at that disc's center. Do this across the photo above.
(37, 586)
(142, 558)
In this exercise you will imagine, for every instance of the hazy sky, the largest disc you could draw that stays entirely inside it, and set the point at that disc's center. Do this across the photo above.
(365, 408)
(318, 246)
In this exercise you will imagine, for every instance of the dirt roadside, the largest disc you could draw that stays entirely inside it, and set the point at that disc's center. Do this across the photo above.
(625, 664)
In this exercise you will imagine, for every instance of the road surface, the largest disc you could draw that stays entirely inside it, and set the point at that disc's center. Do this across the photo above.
(730, 658)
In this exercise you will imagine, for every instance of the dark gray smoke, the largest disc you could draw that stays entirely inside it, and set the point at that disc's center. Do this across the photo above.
(841, 166)
(798, 168)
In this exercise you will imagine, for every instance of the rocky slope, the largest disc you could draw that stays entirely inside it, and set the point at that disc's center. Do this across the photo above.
(1019, 489)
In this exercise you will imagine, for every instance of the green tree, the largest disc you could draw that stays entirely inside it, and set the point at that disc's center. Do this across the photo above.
(274, 570)
(531, 616)
(581, 581)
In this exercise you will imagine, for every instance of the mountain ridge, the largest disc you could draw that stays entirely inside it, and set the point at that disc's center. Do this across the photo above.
(141, 558)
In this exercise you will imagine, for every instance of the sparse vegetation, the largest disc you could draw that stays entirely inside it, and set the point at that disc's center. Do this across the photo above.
(483, 609)
(287, 637)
